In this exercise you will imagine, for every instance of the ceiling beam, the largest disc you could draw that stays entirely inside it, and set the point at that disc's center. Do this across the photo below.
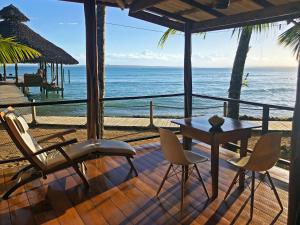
(97, 1)
(170, 15)
(158, 20)
(266, 15)
(263, 3)
(139, 5)
(203, 7)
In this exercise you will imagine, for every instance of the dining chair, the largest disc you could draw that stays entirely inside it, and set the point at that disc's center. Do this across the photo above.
(173, 152)
(263, 157)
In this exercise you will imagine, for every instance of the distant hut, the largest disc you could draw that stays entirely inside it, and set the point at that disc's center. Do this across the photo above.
(12, 25)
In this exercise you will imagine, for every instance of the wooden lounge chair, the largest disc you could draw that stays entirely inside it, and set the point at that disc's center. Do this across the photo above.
(68, 153)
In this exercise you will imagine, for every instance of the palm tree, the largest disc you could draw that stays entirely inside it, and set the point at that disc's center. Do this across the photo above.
(236, 80)
(291, 38)
(101, 62)
(13, 52)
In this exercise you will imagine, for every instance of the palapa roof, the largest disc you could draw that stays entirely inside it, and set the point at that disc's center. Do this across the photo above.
(12, 26)
(207, 15)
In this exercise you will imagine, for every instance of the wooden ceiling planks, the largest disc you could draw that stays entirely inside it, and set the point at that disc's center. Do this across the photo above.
(174, 13)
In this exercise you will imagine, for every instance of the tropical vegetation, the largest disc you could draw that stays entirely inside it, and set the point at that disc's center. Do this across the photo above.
(13, 52)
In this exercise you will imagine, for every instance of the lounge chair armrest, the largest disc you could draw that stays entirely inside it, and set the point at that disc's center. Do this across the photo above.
(56, 146)
(57, 135)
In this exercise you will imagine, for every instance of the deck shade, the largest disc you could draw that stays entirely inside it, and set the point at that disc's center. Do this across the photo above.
(92, 69)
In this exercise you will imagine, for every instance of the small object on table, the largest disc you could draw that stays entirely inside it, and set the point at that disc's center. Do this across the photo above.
(216, 122)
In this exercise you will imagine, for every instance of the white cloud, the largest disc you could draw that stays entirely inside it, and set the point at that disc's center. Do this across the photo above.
(68, 23)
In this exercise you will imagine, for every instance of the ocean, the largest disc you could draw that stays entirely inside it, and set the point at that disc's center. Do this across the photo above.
(265, 85)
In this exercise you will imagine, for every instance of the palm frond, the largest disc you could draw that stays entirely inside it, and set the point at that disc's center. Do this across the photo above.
(165, 37)
(170, 32)
(291, 38)
(259, 28)
(13, 52)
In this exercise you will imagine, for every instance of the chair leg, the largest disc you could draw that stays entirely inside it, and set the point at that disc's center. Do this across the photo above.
(21, 171)
(232, 184)
(164, 179)
(201, 180)
(252, 194)
(80, 174)
(132, 166)
(182, 188)
(20, 183)
(274, 189)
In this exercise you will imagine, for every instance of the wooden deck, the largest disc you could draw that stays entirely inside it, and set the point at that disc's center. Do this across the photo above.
(115, 198)
(131, 122)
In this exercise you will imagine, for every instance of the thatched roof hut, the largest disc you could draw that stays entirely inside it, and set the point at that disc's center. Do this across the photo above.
(12, 25)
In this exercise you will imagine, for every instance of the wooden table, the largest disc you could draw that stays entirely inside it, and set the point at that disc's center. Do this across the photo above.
(198, 128)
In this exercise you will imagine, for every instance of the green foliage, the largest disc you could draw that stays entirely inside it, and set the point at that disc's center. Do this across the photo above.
(13, 52)
(259, 28)
(291, 38)
(170, 32)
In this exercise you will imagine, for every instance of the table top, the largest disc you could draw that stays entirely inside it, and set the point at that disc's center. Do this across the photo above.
(201, 123)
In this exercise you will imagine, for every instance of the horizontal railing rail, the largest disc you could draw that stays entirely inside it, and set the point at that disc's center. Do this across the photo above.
(245, 102)
(77, 101)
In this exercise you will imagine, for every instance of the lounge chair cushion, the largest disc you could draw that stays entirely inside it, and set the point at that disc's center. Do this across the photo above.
(19, 128)
(85, 148)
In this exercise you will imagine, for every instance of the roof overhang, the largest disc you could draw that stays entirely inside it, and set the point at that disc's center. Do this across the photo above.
(204, 17)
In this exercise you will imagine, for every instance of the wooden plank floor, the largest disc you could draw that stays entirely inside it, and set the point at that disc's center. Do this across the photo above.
(116, 198)
(137, 122)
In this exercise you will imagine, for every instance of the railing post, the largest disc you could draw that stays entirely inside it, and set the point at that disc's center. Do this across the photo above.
(225, 109)
(33, 113)
(151, 114)
(265, 119)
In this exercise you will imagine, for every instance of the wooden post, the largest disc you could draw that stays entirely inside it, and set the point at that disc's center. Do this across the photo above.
(187, 142)
(62, 79)
(225, 109)
(16, 73)
(92, 69)
(69, 76)
(151, 125)
(56, 77)
(52, 71)
(4, 71)
(45, 71)
(265, 119)
(294, 181)
(33, 113)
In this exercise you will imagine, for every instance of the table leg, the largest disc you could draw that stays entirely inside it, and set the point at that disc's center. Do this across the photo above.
(187, 145)
(215, 169)
(243, 152)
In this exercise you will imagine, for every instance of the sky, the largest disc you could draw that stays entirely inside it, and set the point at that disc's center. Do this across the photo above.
(130, 41)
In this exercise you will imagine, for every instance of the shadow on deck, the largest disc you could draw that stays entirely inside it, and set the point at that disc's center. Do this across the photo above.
(115, 197)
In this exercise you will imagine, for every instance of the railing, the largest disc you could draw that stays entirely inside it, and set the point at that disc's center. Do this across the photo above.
(265, 108)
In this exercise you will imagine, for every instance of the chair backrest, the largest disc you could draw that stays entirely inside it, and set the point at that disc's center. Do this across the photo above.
(17, 128)
(265, 153)
(172, 148)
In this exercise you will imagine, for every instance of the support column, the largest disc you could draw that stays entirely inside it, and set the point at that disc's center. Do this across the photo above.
(187, 78)
(92, 69)
(62, 79)
(294, 181)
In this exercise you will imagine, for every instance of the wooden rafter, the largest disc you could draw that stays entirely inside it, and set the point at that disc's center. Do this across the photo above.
(263, 3)
(139, 5)
(203, 7)
(267, 15)
(152, 18)
(170, 15)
